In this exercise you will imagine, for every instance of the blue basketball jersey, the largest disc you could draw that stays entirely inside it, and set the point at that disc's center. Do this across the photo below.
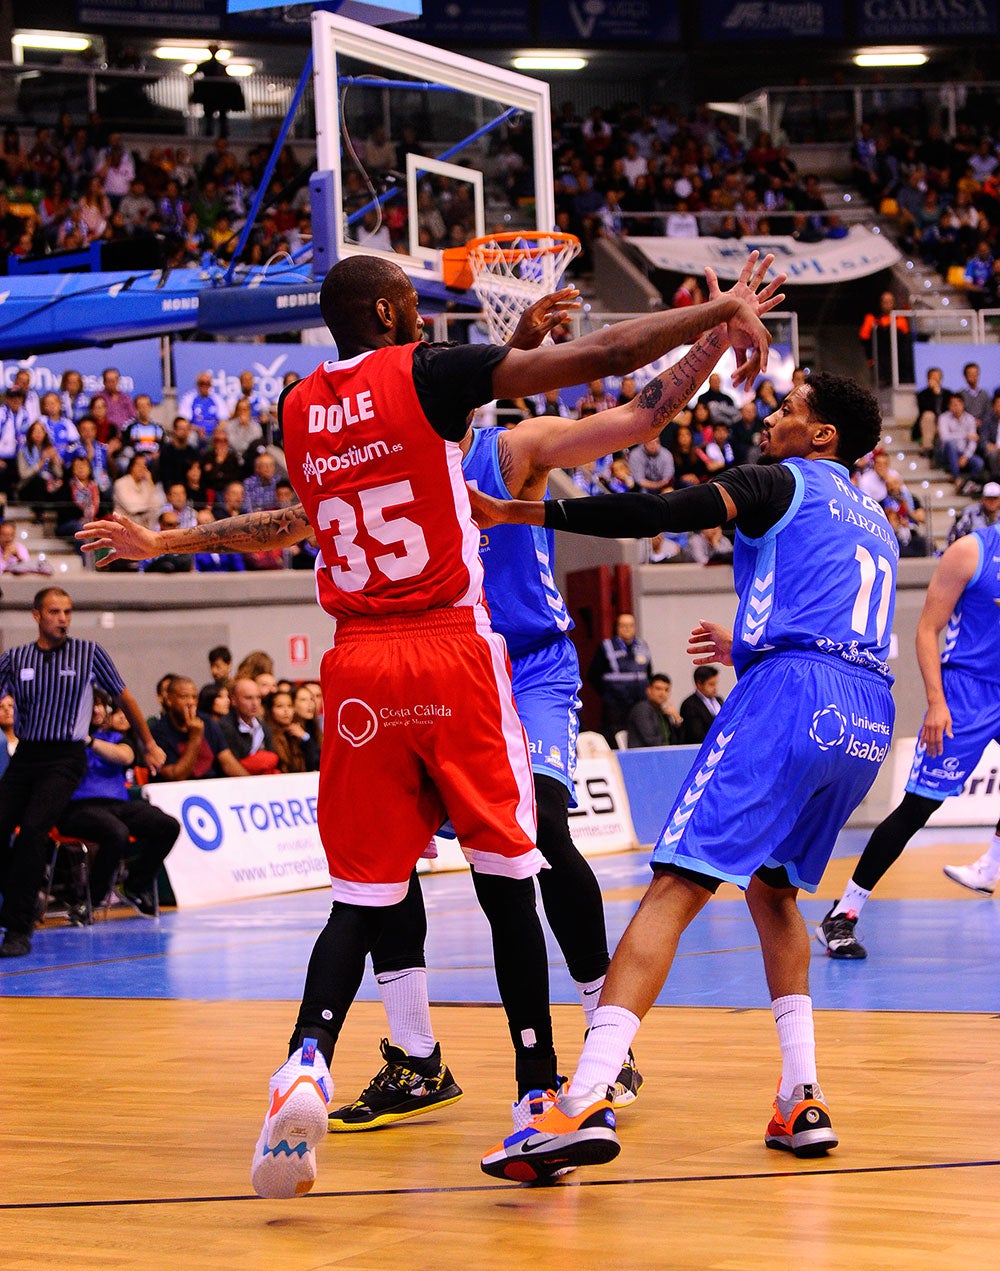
(972, 641)
(525, 605)
(823, 579)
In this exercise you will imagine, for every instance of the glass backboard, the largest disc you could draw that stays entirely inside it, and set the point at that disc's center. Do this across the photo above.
(422, 149)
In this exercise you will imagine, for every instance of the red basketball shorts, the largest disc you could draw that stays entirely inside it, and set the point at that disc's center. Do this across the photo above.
(420, 726)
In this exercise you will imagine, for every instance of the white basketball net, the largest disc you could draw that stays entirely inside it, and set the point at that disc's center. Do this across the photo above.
(508, 276)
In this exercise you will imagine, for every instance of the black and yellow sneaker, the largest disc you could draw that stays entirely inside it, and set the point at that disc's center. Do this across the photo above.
(627, 1085)
(404, 1087)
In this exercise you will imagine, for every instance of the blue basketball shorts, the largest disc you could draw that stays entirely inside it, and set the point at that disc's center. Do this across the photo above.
(789, 757)
(975, 722)
(547, 695)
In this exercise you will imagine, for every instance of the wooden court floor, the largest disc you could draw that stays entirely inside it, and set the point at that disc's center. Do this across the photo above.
(127, 1128)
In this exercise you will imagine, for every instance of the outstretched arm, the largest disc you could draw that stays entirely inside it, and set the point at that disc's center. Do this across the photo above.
(537, 446)
(620, 349)
(256, 531)
(633, 515)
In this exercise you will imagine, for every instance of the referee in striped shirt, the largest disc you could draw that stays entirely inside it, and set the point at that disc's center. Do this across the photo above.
(51, 682)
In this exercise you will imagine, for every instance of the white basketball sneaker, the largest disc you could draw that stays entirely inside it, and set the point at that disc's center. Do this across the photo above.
(284, 1160)
(981, 875)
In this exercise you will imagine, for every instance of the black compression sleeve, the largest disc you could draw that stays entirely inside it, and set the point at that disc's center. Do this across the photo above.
(632, 515)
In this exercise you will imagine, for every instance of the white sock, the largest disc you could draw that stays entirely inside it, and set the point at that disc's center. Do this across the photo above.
(991, 857)
(404, 996)
(852, 901)
(604, 1051)
(590, 995)
(794, 1017)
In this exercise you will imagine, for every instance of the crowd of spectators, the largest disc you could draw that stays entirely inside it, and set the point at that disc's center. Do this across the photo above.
(618, 171)
(69, 457)
(626, 171)
(67, 187)
(240, 723)
(941, 192)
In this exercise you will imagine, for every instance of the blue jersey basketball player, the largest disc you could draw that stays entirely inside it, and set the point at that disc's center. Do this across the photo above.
(793, 751)
(963, 717)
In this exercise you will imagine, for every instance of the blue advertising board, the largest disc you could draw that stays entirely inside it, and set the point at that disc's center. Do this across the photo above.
(137, 361)
(193, 17)
(270, 363)
(895, 20)
(772, 19)
(470, 20)
(611, 22)
(950, 358)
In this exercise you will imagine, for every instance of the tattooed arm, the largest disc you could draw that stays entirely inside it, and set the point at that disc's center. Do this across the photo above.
(535, 447)
(125, 540)
(529, 452)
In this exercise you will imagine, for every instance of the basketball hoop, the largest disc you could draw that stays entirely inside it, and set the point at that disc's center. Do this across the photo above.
(510, 271)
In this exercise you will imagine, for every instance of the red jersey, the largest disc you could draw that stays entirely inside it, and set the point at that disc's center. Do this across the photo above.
(382, 489)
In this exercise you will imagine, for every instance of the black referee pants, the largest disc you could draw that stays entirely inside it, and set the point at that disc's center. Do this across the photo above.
(33, 792)
(112, 824)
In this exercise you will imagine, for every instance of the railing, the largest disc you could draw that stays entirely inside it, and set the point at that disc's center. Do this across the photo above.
(146, 100)
(935, 326)
(834, 113)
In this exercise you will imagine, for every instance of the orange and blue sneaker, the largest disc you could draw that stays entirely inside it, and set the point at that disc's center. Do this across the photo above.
(568, 1132)
(801, 1123)
(284, 1160)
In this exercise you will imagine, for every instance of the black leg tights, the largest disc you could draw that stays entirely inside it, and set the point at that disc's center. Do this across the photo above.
(571, 895)
(334, 975)
(888, 839)
(522, 975)
(401, 944)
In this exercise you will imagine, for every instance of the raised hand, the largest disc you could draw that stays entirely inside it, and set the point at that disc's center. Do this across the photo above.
(543, 316)
(120, 537)
(759, 296)
(709, 642)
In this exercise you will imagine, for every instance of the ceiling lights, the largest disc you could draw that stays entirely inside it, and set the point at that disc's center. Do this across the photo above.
(56, 41)
(549, 62)
(891, 57)
(189, 53)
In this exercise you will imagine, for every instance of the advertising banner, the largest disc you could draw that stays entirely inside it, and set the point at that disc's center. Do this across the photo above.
(611, 22)
(253, 836)
(470, 20)
(270, 363)
(895, 20)
(772, 19)
(979, 802)
(138, 362)
(950, 358)
(242, 837)
(193, 17)
(833, 260)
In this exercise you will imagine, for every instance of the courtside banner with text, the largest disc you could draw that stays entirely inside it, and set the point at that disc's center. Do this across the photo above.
(138, 363)
(257, 836)
(243, 836)
(269, 363)
(979, 802)
(857, 255)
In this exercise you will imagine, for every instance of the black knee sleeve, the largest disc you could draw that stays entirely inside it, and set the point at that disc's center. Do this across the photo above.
(404, 933)
(888, 839)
